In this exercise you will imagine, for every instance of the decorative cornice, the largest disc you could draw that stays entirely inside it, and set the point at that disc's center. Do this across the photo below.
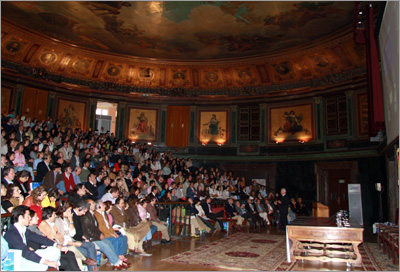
(315, 83)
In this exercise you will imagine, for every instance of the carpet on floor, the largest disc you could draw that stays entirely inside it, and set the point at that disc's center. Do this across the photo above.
(261, 252)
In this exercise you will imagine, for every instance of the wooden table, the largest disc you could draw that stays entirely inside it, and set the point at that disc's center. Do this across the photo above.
(326, 244)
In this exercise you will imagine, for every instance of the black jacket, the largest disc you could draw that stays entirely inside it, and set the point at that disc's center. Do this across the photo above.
(283, 208)
(15, 241)
(41, 171)
(230, 209)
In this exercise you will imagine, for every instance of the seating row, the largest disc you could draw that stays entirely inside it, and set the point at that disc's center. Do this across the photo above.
(388, 241)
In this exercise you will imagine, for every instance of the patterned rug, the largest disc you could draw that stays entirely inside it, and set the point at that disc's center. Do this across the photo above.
(261, 252)
(377, 259)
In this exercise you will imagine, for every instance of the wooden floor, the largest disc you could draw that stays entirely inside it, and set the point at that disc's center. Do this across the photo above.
(162, 251)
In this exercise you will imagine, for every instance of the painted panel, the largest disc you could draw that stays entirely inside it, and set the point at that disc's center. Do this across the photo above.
(142, 124)
(291, 123)
(72, 113)
(213, 126)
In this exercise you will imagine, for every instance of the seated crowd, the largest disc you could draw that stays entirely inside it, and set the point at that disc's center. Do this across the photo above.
(98, 193)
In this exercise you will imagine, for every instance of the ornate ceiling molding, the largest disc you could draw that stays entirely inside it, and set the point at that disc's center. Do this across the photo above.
(326, 62)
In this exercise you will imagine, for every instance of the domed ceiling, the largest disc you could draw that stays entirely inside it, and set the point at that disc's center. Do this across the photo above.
(188, 30)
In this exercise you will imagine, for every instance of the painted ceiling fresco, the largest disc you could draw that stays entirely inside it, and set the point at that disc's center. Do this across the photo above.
(185, 30)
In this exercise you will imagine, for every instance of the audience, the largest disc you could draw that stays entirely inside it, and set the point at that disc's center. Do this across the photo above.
(125, 202)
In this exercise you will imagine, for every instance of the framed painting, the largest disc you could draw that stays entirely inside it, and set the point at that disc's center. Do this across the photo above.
(6, 96)
(213, 126)
(71, 113)
(362, 106)
(142, 124)
(291, 123)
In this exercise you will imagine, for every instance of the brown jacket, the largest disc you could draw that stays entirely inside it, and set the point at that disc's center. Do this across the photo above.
(107, 231)
(51, 233)
(153, 213)
(133, 218)
(49, 180)
(119, 216)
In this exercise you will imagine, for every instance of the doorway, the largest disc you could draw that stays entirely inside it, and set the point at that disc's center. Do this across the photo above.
(332, 181)
(106, 115)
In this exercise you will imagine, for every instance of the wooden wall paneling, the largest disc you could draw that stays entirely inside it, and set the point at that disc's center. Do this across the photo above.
(342, 115)
(29, 102)
(178, 122)
(254, 123)
(41, 104)
(336, 115)
(6, 99)
(244, 124)
(331, 116)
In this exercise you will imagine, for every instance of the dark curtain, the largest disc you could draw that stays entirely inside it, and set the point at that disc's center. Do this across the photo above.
(375, 97)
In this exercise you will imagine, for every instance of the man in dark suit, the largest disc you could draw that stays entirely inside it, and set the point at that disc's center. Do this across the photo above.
(283, 210)
(231, 212)
(8, 175)
(91, 186)
(210, 214)
(18, 236)
(43, 168)
(251, 209)
(19, 135)
(8, 127)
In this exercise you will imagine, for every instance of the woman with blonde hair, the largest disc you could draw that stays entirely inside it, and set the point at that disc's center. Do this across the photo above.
(123, 188)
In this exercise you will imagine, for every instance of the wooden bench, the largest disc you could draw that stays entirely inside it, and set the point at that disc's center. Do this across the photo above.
(388, 241)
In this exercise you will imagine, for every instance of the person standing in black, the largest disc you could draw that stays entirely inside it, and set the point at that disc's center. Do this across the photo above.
(283, 210)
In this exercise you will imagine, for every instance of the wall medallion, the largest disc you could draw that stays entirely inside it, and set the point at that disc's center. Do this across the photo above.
(13, 46)
(212, 77)
(48, 57)
(80, 66)
(113, 71)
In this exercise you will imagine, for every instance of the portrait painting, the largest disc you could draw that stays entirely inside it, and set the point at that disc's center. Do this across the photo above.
(291, 123)
(71, 113)
(362, 105)
(142, 124)
(213, 126)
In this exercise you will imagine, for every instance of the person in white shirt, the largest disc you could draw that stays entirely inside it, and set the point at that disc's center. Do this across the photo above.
(213, 192)
(18, 236)
(67, 151)
(112, 195)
